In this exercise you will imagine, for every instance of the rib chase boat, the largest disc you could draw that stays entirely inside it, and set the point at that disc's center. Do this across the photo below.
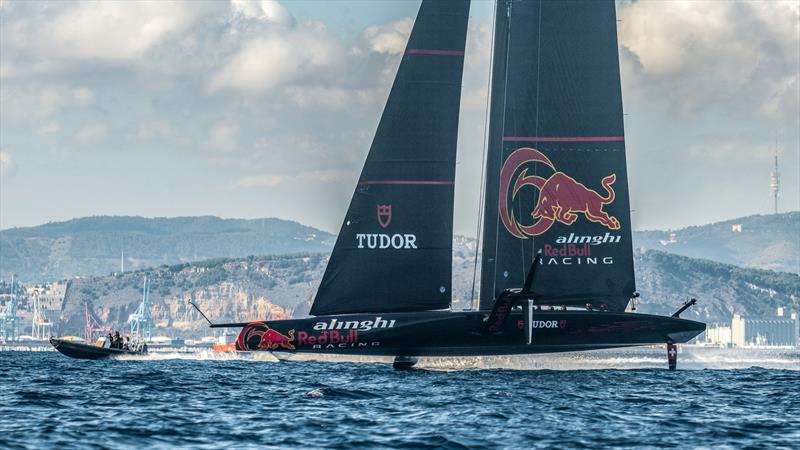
(557, 261)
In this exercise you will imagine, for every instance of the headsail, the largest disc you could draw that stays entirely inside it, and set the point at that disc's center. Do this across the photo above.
(394, 250)
(556, 173)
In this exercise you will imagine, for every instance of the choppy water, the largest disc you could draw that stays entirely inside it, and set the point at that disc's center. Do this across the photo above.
(732, 399)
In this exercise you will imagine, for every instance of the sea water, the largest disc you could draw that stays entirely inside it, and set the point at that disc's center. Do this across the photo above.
(718, 399)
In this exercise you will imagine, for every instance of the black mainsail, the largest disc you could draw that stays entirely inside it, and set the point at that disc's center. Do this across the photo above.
(394, 250)
(556, 173)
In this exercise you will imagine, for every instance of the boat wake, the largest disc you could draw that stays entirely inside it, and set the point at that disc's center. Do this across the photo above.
(202, 355)
(690, 358)
(627, 359)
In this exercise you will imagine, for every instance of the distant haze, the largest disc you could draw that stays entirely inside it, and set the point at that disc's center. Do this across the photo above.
(267, 109)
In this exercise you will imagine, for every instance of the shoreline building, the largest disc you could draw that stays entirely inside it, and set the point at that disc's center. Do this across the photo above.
(778, 331)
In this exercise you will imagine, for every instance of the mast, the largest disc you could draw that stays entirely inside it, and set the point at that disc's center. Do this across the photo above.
(556, 177)
(394, 250)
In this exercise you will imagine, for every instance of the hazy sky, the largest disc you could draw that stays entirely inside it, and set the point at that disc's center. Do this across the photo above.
(258, 108)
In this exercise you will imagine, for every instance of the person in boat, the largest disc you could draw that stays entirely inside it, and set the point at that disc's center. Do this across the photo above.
(127, 344)
(117, 341)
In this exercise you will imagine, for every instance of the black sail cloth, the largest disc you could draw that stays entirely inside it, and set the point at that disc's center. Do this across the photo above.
(556, 172)
(394, 250)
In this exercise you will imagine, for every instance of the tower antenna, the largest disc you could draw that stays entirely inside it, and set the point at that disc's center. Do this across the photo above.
(775, 179)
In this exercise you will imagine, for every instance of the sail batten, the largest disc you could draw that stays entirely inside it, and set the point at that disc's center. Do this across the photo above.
(394, 250)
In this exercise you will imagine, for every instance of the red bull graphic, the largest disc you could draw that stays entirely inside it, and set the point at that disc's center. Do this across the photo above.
(561, 197)
(259, 336)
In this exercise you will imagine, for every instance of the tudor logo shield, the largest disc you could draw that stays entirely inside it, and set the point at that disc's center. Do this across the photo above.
(384, 215)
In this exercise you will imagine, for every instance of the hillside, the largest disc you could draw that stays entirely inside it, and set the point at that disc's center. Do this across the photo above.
(283, 286)
(665, 281)
(94, 245)
(763, 241)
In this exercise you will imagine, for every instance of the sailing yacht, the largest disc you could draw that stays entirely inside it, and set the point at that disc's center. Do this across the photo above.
(557, 261)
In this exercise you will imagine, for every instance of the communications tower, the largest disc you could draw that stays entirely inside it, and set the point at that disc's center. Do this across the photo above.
(775, 181)
(141, 320)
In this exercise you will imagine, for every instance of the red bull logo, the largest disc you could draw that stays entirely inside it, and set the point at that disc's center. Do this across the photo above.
(561, 197)
(259, 336)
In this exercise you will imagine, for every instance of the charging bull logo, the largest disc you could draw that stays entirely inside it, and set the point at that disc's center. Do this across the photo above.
(561, 197)
(258, 336)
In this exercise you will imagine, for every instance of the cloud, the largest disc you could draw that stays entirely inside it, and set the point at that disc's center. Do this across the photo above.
(691, 54)
(42, 100)
(266, 10)
(276, 59)
(724, 151)
(271, 180)
(478, 53)
(156, 129)
(110, 32)
(91, 134)
(389, 38)
(7, 164)
(223, 136)
(49, 128)
(329, 97)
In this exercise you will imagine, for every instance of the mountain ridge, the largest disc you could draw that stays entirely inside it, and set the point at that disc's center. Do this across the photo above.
(95, 245)
(92, 246)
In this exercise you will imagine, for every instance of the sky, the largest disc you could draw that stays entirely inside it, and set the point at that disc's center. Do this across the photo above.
(259, 108)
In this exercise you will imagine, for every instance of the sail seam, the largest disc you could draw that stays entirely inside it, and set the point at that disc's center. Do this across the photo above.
(404, 182)
(564, 139)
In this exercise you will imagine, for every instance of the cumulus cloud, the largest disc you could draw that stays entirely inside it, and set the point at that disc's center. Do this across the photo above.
(389, 38)
(91, 134)
(689, 54)
(267, 10)
(114, 32)
(275, 59)
(7, 165)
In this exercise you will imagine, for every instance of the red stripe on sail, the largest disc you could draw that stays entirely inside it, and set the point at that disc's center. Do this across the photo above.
(423, 51)
(564, 139)
(436, 183)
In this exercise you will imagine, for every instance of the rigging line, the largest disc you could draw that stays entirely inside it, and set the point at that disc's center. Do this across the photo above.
(482, 200)
(509, 4)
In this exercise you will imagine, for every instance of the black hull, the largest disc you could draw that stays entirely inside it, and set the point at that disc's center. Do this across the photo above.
(85, 351)
(442, 333)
